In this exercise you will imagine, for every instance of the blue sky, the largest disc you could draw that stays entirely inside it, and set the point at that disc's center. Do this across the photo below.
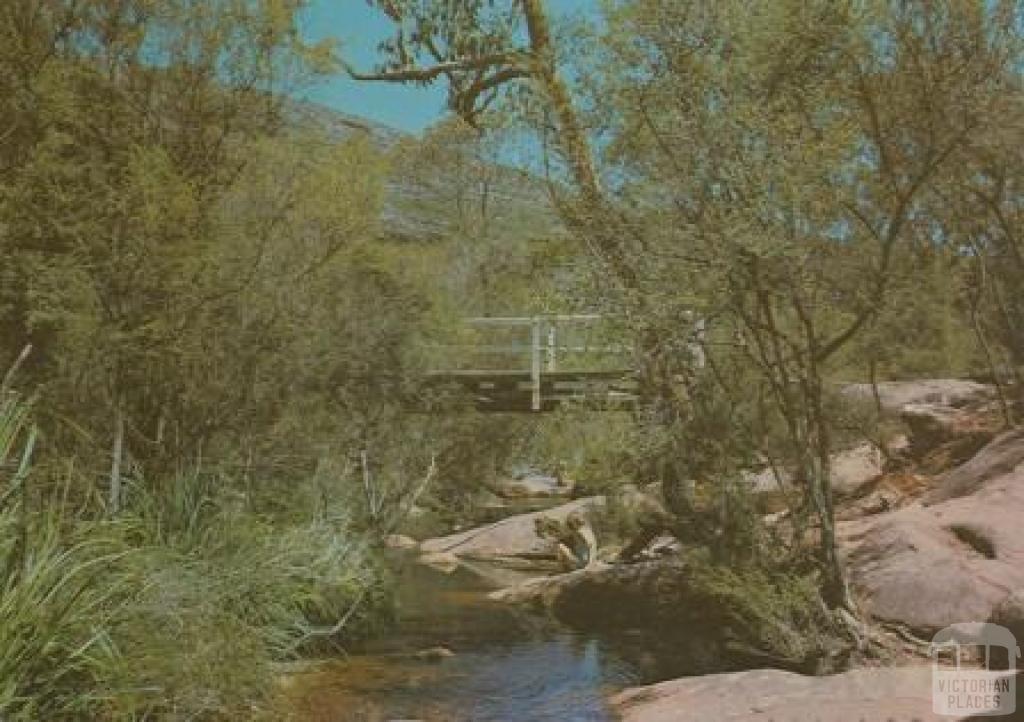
(359, 28)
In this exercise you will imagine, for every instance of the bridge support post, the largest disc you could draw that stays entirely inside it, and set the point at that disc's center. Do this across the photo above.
(535, 363)
(552, 347)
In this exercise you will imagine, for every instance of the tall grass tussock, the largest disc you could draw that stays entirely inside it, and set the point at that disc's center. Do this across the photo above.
(180, 607)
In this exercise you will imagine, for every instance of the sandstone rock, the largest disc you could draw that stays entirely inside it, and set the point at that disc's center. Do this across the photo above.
(400, 541)
(897, 395)
(889, 492)
(897, 694)
(542, 592)
(533, 486)
(642, 500)
(441, 561)
(953, 561)
(766, 481)
(609, 596)
(854, 468)
(948, 419)
(1010, 614)
(999, 457)
(851, 470)
(513, 537)
(685, 610)
(942, 436)
(433, 654)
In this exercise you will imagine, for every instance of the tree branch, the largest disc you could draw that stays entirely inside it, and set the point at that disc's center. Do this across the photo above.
(431, 73)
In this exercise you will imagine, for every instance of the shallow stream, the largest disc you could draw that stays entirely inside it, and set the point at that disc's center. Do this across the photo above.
(507, 666)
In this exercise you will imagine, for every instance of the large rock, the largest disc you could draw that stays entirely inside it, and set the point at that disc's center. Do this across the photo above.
(1010, 614)
(942, 436)
(854, 468)
(441, 561)
(896, 396)
(851, 470)
(691, 610)
(948, 419)
(1000, 457)
(535, 486)
(900, 694)
(509, 538)
(953, 560)
(400, 542)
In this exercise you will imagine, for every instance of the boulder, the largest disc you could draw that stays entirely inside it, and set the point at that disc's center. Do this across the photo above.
(433, 654)
(645, 500)
(943, 436)
(948, 419)
(890, 491)
(1010, 614)
(953, 560)
(612, 597)
(542, 592)
(895, 396)
(511, 538)
(765, 695)
(695, 613)
(400, 542)
(852, 469)
(441, 561)
(533, 486)
(998, 458)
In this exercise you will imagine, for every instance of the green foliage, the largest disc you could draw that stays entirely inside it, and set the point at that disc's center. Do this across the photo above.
(53, 602)
(216, 584)
(773, 614)
(149, 615)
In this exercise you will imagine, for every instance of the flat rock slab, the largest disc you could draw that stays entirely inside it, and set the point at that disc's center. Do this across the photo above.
(900, 694)
(954, 560)
(511, 537)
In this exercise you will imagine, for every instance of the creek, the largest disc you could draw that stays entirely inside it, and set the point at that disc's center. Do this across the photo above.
(508, 665)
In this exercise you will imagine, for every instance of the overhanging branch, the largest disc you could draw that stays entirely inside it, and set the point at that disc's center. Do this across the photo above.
(510, 62)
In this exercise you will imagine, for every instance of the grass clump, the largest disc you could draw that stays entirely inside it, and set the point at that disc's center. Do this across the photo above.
(772, 616)
(180, 608)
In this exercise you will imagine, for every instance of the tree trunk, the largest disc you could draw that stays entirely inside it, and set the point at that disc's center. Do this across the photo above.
(873, 380)
(573, 140)
(835, 590)
(574, 146)
(117, 453)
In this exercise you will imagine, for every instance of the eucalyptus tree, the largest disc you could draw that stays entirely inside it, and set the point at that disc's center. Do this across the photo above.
(774, 159)
(794, 149)
(125, 128)
(483, 49)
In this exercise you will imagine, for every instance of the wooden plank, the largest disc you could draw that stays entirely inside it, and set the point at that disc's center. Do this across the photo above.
(528, 320)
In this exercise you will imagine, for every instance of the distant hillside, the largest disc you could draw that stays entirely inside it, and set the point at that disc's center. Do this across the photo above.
(422, 198)
(338, 125)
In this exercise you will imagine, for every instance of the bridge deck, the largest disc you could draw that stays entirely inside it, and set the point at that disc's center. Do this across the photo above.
(519, 391)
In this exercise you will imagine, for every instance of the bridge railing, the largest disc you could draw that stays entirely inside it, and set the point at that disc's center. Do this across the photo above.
(550, 341)
(538, 345)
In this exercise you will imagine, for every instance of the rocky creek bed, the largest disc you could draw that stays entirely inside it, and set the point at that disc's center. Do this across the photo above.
(935, 538)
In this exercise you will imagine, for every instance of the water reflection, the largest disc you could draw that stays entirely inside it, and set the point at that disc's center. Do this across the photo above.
(508, 666)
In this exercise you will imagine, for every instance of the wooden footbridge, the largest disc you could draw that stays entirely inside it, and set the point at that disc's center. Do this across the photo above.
(537, 363)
